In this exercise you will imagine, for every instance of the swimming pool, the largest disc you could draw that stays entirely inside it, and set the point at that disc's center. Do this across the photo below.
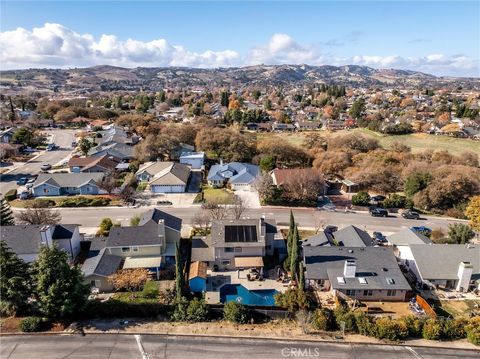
(240, 294)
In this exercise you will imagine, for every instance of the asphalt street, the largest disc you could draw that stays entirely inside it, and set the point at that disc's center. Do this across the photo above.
(120, 346)
(91, 217)
(62, 138)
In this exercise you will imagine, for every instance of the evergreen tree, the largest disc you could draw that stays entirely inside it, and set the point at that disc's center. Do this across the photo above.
(178, 274)
(301, 276)
(294, 253)
(6, 215)
(224, 99)
(14, 281)
(59, 288)
(291, 229)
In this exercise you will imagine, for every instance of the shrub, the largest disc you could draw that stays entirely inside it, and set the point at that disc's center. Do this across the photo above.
(293, 300)
(432, 329)
(343, 315)
(180, 312)
(235, 312)
(31, 324)
(414, 325)
(11, 195)
(197, 310)
(455, 328)
(43, 203)
(323, 319)
(150, 290)
(473, 330)
(361, 198)
(395, 201)
(391, 329)
(365, 324)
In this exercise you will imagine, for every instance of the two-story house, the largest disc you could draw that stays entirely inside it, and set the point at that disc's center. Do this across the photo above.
(237, 244)
(27, 240)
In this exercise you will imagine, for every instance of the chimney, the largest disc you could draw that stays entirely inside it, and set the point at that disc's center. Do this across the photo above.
(350, 268)
(46, 235)
(464, 274)
(221, 162)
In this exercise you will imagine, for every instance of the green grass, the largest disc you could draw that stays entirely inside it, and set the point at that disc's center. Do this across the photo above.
(114, 201)
(215, 195)
(417, 141)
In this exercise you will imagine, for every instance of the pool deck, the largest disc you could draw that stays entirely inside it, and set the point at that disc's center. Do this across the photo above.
(215, 280)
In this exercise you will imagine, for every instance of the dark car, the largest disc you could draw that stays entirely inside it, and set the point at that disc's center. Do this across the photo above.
(378, 212)
(411, 215)
(378, 198)
(22, 181)
(423, 230)
(164, 203)
(379, 237)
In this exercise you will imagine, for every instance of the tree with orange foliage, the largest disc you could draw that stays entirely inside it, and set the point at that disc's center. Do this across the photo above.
(129, 279)
(328, 111)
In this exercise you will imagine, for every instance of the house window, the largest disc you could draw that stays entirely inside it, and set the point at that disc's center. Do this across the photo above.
(135, 249)
(228, 250)
(95, 283)
(238, 249)
(125, 249)
(226, 262)
(391, 293)
(350, 292)
(368, 292)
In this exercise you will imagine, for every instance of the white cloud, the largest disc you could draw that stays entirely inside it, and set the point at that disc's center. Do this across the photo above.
(54, 45)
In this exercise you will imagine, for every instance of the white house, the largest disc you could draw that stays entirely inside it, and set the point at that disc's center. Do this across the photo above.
(401, 242)
(194, 159)
(239, 176)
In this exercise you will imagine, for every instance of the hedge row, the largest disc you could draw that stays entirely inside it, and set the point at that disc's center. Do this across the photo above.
(397, 329)
(84, 202)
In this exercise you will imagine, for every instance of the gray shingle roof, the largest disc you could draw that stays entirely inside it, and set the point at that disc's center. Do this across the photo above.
(68, 179)
(202, 251)
(218, 233)
(62, 231)
(146, 234)
(376, 264)
(319, 239)
(242, 172)
(156, 215)
(352, 236)
(22, 239)
(441, 261)
(408, 236)
(103, 264)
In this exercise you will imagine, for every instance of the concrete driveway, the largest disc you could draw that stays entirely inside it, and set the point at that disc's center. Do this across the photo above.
(250, 198)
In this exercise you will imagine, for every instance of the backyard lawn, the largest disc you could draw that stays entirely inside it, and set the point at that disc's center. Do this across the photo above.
(417, 141)
(215, 195)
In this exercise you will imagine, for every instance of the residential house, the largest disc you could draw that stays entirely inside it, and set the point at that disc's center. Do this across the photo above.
(193, 159)
(180, 150)
(61, 184)
(149, 245)
(401, 242)
(280, 175)
(307, 125)
(26, 240)
(164, 177)
(120, 152)
(450, 266)
(7, 135)
(367, 274)
(352, 236)
(103, 124)
(237, 244)
(102, 164)
(97, 269)
(239, 176)
(283, 127)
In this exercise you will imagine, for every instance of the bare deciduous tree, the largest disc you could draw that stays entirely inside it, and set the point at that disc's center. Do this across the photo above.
(201, 220)
(108, 182)
(264, 185)
(318, 222)
(305, 186)
(37, 213)
(239, 206)
(216, 210)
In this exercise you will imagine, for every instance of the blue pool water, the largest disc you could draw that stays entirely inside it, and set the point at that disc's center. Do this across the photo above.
(240, 294)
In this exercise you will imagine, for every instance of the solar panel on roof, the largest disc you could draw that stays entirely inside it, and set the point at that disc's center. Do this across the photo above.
(241, 234)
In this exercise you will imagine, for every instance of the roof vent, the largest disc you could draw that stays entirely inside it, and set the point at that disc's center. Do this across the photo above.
(350, 251)
(390, 281)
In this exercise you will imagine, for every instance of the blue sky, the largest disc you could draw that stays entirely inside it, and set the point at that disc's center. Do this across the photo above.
(437, 37)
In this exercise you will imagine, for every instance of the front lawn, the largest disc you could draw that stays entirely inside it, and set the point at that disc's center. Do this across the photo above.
(72, 201)
(214, 195)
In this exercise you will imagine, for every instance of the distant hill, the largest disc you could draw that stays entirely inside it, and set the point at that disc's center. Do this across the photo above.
(110, 78)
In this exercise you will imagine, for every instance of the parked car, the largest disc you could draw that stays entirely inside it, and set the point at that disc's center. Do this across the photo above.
(22, 181)
(379, 237)
(409, 214)
(46, 167)
(24, 195)
(50, 147)
(378, 212)
(377, 198)
(164, 203)
(423, 230)
(331, 229)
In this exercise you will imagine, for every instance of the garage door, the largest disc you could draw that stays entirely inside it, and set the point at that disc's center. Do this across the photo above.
(168, 189)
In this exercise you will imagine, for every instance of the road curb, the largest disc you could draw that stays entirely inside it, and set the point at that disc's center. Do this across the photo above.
(311, 341)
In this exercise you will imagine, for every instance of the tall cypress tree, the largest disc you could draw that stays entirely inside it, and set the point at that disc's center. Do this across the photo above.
(291, 229)
(294, 253)
(178, 274)
(6, 215)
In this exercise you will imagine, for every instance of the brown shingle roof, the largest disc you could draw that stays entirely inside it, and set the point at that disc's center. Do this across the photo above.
(198, 269)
